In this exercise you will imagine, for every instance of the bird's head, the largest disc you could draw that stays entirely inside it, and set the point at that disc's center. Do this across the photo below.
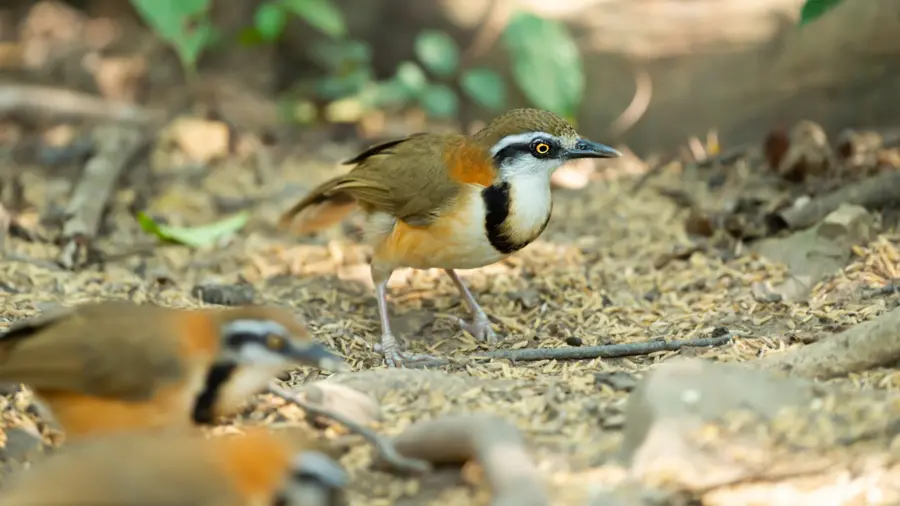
(535, 141)
(271, 336)
(315, 478)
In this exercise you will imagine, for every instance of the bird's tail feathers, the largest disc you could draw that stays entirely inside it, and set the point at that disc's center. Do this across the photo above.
(325, 206)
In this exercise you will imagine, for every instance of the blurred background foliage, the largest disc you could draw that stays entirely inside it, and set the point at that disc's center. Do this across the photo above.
(545, 61)
(546, 64)
(647, 73)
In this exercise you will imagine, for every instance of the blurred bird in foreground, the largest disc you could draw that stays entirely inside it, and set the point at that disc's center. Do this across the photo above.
(184, 468)
(114, 366)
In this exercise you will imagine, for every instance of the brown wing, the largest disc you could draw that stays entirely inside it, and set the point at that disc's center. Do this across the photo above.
(406, 178)
(62, 350)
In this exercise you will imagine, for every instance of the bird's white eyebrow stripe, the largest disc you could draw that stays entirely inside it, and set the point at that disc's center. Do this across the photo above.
(517, 139)
(260, 327)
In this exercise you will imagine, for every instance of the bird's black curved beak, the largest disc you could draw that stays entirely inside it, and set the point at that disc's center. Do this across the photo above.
(316, 355)
(590, 149)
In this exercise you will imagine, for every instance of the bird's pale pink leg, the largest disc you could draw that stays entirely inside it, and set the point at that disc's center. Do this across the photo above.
(480, 326)
(389, 347)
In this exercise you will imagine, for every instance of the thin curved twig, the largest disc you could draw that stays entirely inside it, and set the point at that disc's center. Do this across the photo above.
(491, 28)
(385, 448)
(643, 92)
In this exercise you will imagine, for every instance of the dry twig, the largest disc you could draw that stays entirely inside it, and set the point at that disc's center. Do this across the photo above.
(492, 26)
(868, 345)
(115, 146)
(876, 191)
(387, 451)
(588, 352)
(643, 92)
(493, 442)
(67, 104)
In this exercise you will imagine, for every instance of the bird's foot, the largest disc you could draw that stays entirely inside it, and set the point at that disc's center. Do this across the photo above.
(393, 357)
(479, 327)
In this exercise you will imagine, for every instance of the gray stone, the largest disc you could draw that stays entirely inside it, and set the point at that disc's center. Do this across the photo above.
(677, 398)
(817, 252)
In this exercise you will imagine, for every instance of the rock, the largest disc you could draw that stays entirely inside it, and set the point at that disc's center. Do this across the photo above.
(848, 223)
(815, 253)
(677, 398)
(200, 141)
(20, 448)
(20, 444)
(617, 380)
(225, 295)
(345, 401)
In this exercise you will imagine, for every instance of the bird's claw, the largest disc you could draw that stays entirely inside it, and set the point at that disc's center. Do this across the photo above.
(393, 357)
(479, 327)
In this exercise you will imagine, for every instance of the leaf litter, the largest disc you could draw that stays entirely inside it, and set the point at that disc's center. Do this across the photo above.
(594, 278)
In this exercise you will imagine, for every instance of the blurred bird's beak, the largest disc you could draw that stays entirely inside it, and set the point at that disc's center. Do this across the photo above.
(590, 149)
(316, 355)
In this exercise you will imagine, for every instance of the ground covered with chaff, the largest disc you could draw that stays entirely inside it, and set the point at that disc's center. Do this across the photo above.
(613, 267)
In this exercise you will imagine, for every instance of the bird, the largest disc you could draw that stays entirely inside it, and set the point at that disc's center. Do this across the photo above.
(113, 365)
(260, 467)
(448, 201)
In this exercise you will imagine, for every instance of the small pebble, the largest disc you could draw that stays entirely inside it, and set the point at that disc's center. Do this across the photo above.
(224, 295)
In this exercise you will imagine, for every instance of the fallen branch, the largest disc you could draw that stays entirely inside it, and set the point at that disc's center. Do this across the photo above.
(494, 443)
(587, 352)
(868, 345)
(876, 191)
(115, 147)
(61, 103)
(386, 450)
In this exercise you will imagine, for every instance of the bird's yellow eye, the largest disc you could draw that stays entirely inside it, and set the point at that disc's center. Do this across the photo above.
(275, 342)
(542, 148)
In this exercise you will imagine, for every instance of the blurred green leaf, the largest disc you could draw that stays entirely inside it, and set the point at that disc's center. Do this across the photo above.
(321, 14)
(250, 36)
(269, 20)
(169, 17)
(390, 92)
(484, 86)
(182, 23)
(194, 236)
(335, 54)
(437, 51)
(546, 63)
(195, 43)
(812, 9)
(341, 86)
(439, 101)
(411, 76)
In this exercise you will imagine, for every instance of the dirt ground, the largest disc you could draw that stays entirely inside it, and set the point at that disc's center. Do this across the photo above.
(603, 273)
(710, 252)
